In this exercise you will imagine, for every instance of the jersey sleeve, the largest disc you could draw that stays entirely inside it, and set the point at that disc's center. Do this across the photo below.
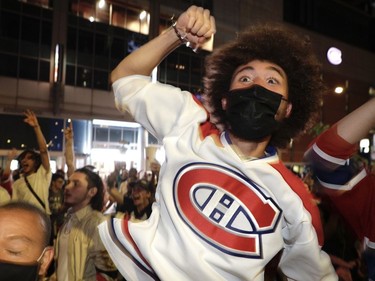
(302, 231)
(306, 197)
(330, 158)
(158, 107)
(329, 150)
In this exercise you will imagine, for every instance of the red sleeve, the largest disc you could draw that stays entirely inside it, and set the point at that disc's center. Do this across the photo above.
(334, 145)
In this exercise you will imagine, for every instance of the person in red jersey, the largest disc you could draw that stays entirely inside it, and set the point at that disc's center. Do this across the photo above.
(349, 184)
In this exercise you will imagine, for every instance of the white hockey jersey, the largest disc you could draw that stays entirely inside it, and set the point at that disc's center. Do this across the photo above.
(216, 216)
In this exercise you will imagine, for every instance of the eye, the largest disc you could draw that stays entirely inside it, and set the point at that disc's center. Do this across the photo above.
(272, 80)
(245, 79)
(14, 252)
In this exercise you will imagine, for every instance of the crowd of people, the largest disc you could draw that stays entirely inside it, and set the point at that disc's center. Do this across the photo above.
(223, 206)
(67, 208)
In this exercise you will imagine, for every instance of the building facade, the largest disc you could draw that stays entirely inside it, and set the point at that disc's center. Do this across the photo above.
(56, 57)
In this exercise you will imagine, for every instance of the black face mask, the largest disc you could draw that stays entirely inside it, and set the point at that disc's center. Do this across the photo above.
(15, 271)
(12, 271)
(251, 112)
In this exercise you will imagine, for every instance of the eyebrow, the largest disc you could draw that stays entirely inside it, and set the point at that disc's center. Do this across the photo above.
(278, 70)
(20, 237)
(271, 67)
(75, 181)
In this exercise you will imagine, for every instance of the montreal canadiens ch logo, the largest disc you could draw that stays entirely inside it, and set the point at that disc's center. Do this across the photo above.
(224, 208)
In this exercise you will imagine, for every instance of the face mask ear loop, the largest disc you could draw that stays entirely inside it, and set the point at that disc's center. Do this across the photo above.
(42, 254)
(40, 258)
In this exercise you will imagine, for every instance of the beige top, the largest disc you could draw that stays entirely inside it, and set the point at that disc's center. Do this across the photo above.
(40, 182)
(4, 195)
(85, 247)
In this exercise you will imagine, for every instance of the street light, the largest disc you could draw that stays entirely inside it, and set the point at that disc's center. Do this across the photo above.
(334, 56)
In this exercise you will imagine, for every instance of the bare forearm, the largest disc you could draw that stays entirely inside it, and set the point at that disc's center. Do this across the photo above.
(195, 26)
(358, 123)
(69, 156)
(42, 144)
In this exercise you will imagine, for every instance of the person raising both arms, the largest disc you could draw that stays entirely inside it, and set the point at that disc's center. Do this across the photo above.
(226, 207)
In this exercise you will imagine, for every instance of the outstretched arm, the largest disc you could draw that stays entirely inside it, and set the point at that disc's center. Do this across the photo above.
(195, 24)
(340, 141)
(69, 149)
(32, 120)
(356, 125)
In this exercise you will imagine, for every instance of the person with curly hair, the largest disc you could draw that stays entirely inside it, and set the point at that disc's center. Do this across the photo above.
(289, 52)
(226, 207)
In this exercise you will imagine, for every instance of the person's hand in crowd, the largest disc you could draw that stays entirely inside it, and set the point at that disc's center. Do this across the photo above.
(68, 132)
(30, 118)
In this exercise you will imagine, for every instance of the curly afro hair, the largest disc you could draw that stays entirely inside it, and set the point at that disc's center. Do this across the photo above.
(282, 47)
